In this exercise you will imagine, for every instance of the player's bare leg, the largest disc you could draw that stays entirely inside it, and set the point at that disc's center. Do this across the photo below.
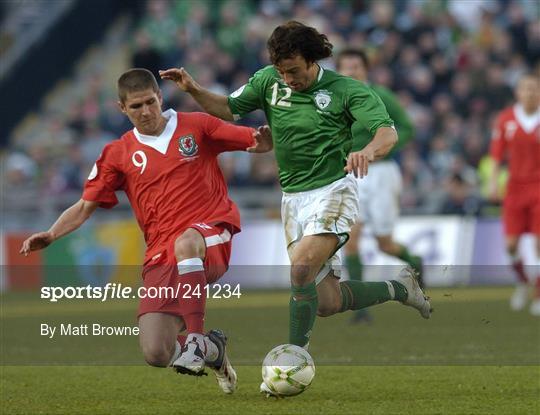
(158, 338)
(519, 298)
(329, 293)
(354, 265)
(535, 305)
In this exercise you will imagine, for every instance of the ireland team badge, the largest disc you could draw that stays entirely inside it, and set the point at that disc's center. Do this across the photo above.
(187, 146)
(322, 99)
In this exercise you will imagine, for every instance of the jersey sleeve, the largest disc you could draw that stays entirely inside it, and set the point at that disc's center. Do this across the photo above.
(225, 136)
(366, 108)
(248, 97)
(104, 179)
(498, 141)
(397, 113)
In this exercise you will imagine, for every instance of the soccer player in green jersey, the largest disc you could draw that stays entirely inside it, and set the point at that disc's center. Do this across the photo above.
(379, 191)
(310, 112)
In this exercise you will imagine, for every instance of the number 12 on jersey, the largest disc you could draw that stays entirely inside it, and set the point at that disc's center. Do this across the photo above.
(280, 101)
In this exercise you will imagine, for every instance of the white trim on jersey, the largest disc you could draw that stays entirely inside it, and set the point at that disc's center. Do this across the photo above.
(161, 142)
(319, 75)
(218, 239)
(527, 122)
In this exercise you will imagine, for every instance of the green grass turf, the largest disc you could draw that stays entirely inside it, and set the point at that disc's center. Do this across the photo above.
(473, 357)
(336, 390)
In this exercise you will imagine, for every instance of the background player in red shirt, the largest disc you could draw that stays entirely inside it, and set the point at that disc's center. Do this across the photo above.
(167, 165)
(517, 138)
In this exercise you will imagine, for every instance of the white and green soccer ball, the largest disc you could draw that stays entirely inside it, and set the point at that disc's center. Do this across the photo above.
(288, 370)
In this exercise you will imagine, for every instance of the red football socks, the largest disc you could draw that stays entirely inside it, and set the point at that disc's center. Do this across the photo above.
(193, 299)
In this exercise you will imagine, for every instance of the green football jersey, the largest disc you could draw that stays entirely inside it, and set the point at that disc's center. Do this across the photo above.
(403, 123)
(311, 129)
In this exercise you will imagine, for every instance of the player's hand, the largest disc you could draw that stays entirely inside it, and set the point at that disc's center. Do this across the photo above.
(263, 140)
(180, 77)
(36, 242)
(358, 161)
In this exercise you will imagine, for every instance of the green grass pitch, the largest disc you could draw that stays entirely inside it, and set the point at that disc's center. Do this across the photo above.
(473, 357)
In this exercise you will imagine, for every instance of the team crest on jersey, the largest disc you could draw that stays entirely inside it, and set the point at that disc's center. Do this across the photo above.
(322, 99)
(187, 145)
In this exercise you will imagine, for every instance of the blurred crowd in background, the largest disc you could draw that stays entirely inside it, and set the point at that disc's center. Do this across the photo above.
(453, 64)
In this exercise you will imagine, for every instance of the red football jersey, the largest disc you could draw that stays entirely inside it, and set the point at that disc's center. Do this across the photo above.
(517, 136)
(172, 181)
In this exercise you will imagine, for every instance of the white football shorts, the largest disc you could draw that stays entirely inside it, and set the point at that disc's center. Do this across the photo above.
(329, 209)
(378, 196)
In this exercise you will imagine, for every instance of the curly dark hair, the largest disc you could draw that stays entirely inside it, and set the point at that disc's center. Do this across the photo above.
(294, 38)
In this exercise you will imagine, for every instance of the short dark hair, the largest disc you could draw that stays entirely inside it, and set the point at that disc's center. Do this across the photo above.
(136, 79)
(294, 38)
(356, 53)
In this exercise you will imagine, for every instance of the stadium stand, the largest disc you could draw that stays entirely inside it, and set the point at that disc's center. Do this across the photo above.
(453, 66)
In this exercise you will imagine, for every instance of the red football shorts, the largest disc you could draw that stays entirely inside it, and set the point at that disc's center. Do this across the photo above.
(521, 209)
(162, 270)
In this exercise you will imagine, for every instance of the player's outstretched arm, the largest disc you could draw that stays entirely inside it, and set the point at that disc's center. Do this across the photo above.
(69, 220)
(263, 140)
(214, 104)
(381, 144)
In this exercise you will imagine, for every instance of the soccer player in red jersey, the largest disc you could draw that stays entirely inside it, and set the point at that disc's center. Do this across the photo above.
(167, 166)
(517, 138)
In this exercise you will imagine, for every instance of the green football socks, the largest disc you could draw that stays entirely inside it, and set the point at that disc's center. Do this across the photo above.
(303, 310)
(354, 266)
(356, 295)
(407, 257)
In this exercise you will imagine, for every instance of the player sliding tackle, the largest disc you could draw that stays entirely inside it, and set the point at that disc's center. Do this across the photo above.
(167, 165)
(310, 111)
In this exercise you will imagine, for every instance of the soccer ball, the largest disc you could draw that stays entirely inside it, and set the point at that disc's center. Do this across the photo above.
(288, 370)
